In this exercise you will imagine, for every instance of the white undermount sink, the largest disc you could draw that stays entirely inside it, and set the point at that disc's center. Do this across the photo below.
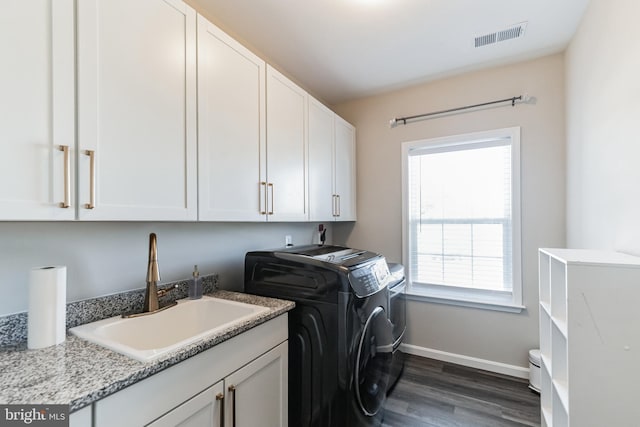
(152, 336)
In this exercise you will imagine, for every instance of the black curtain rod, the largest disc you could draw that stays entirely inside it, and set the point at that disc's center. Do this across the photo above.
(403, 120)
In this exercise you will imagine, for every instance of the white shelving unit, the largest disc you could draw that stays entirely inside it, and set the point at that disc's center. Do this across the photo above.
(589, 338)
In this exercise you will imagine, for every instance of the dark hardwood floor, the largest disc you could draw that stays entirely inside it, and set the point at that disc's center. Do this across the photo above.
(439, 394)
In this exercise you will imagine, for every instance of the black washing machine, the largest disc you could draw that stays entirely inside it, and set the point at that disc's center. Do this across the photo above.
(340, 336)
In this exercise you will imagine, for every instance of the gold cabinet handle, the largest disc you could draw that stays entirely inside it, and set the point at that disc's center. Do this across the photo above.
(220, 398)
(334, 205)
(92, 179)
(272, 202)
(262, 195)
(232, 390)
(67, 176)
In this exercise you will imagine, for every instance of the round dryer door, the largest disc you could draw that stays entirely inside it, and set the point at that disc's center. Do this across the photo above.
(372, 362)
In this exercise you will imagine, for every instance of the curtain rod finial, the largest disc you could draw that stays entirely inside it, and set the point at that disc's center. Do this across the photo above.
(393, 123)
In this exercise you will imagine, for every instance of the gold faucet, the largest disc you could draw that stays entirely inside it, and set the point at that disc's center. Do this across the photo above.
(153, 277)
(151, 294)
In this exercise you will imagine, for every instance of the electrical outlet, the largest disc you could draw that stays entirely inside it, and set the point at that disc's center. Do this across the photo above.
(288, 241)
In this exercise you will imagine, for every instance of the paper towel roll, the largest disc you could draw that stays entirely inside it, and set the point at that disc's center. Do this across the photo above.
(46, 321)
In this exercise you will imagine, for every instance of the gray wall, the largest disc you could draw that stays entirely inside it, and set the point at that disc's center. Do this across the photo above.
(490, 335)
(104, 258)
(603, 65)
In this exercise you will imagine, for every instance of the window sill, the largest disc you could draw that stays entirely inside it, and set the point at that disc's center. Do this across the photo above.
(421, 295)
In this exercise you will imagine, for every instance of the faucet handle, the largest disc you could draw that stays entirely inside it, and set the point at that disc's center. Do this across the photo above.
(163, 292)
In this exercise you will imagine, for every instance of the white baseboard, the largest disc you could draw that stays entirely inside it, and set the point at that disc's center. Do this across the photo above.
(472, 362)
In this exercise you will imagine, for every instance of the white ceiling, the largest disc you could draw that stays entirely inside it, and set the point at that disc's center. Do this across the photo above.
(345, 49)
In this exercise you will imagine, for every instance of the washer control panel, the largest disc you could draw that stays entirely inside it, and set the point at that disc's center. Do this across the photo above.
(370, 278)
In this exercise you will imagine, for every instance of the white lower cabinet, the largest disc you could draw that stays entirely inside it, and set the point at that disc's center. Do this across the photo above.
(81, 418)
(204, 409)
(240, 382)
(257, 393)
(252, 396)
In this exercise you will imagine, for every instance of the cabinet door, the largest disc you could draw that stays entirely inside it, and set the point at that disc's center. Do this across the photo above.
(37, 109)
(231, 128)
(257, 393)
(321, 171)
(204, 409)
(345, 167)
(81, 418)
(136, 110)
(286, 149)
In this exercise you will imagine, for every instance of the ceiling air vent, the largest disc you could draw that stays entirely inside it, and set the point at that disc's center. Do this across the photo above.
(499, 36)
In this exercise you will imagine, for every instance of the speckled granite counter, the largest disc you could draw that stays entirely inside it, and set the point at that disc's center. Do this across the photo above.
(78, 372)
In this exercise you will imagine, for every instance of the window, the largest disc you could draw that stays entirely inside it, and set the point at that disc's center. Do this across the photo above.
(461, 219)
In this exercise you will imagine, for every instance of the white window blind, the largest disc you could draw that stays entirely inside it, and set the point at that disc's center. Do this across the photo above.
(462, 219)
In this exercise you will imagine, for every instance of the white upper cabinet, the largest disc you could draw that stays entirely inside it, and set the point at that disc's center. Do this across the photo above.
(284, 191)
(331, 166)
(118, 110)
(321, 168)
(136, 110)
(37, 109)
(231, 128)
(345, 170)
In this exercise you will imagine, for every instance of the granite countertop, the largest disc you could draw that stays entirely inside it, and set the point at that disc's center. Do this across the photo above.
(77, 372)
